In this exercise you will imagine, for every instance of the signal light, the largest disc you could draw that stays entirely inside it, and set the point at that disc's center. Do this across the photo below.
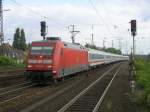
(50, 66)
(133, 27)
(43, 28)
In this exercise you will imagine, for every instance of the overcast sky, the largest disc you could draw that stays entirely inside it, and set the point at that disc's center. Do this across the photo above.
(110, 19)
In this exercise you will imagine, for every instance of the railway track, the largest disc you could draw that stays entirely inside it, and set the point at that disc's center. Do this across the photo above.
(4, 89)
(4, 78)
(11, 77)
(11, 71)
(62, 91)
(6, 94)
(6, 82)
(8, 74)
(91, 98)
(9, 93)
(11, 100)
(40, 105)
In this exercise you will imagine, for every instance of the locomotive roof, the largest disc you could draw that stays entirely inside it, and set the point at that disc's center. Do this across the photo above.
(41, 41)
(74, 46)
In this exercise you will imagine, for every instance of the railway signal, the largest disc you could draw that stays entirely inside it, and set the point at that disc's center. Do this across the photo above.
(133, 33)
(133, 27)
(43, 29)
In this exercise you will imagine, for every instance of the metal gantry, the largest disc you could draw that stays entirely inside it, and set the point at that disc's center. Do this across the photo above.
(73, 33)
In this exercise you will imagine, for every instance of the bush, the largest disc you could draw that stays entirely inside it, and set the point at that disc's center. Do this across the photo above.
(142, 76)
(143, 81)
(7, 61)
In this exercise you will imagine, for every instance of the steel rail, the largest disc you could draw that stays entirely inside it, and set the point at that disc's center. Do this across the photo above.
(9, 87)
(7, 100)
(11, 91)
(69, 104)
(50, 97)
(11, 76)
(105, 92)
(11, 99)
(8, 71)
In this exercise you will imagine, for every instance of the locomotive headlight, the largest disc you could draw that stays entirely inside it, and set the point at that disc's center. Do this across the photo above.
(29, 66)
(54, 71)
(49, 66)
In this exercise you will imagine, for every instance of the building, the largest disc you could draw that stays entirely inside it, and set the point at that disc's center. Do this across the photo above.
(7, 50)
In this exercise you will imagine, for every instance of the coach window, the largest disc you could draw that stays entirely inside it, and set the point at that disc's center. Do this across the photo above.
(93, 56)
(90, 56)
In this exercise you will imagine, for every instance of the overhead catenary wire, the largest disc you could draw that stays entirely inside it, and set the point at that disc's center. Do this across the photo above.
(99, 15)
(58, 23)
(107, 25)
(37, 13)
(108, 16)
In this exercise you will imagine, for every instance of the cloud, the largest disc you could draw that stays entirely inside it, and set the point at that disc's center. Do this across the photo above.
(60, 16)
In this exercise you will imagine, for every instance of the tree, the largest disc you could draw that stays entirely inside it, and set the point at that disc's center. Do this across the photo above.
(148, 56)
(19, 40)
(23, 40)
(113, 50)
(92, 46)
(28, 45)
(16, 42)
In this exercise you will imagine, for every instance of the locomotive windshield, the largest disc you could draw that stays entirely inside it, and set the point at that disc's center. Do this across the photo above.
(42, 50)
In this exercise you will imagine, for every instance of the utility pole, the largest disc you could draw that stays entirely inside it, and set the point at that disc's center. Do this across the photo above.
(133, 47)
(92, 39)
(1, 23)
(119, 44)
(73, 33)
(112, 44)
(104, 43)
(126, 47)
(92, 35)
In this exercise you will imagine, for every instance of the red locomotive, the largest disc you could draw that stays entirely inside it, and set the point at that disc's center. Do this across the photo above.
(55, 59)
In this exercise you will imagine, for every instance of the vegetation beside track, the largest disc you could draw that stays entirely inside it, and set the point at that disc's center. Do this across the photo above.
(9, 63)
(142, 94)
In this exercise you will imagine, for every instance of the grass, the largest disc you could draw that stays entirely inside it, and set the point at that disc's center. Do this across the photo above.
(9, 63)
(142, 67)
(12, 67)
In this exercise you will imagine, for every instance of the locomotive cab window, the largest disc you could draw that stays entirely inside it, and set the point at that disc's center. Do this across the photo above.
(42, 50)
